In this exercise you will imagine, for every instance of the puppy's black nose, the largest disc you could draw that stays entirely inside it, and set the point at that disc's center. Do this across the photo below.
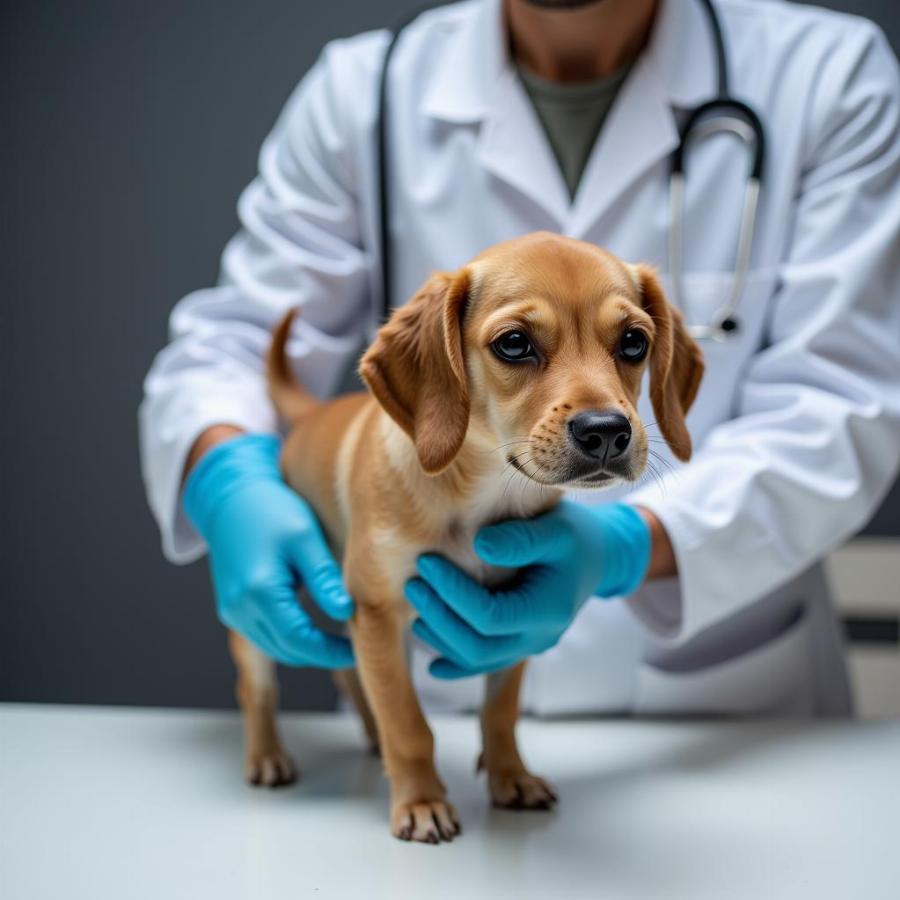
(600, 434)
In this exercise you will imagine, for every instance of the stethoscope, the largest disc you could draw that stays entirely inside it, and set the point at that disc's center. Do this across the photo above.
(722, 115)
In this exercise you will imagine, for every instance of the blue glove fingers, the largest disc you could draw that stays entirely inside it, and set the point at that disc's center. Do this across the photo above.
(425, 634)
(517, 543)
(297, 640)
(475, 605)
(455, 633)
(448, 667)
(320, 573)
(532, 605)
(260, 636)
(448, 670)
(326, 651)
(457, 638)
(495, 653)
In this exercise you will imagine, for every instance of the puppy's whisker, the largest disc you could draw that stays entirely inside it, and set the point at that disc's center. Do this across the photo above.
(510, 471)
(526, 440)
(671, 472)
(515, 460)
(530, 476)
(663, 463)
(661, 459)
(654, 473)
(542, 483)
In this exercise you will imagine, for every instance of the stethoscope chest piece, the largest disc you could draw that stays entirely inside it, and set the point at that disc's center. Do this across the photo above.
(721, 329)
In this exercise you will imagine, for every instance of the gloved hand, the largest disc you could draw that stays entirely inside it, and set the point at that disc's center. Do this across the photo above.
(571, 553)
(263, 540)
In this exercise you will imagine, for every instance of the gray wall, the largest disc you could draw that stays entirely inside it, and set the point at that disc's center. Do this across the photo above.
(128, 131)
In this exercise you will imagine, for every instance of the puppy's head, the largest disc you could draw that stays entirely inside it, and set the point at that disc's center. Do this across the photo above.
(538, 347)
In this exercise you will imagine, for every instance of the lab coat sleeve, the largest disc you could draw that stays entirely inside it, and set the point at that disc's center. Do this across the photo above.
(300, 244)
(814, 444)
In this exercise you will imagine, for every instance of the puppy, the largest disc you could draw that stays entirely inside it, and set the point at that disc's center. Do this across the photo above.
(492, 390)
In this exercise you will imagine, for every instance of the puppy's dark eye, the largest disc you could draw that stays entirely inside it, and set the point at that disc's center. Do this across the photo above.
(513, 346)
(633, 346)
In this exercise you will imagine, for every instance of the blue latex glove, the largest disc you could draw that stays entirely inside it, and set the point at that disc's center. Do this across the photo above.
(263, 541)
(569, 554)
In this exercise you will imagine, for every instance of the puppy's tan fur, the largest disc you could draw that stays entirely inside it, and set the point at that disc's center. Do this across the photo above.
(452, 438)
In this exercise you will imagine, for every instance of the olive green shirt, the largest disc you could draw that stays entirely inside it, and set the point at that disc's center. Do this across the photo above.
(572, 114)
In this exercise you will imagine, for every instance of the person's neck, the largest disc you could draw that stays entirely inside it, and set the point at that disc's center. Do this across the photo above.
(581, 43)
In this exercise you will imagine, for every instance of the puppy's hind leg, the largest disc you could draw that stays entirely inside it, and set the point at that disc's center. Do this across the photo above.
(266, 762)
(349, 684)
(510, 783)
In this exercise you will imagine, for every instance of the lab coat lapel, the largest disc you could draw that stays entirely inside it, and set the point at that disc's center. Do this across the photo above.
(477, 83)
(675, 70)
(514, 147)
(639, 132)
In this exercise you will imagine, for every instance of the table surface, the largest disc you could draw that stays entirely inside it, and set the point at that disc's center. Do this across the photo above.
(131, 803)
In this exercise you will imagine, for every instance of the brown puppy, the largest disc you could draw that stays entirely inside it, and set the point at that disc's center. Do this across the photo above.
(483, 388)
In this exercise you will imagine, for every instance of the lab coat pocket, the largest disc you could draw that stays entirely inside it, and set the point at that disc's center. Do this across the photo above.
(772, 678)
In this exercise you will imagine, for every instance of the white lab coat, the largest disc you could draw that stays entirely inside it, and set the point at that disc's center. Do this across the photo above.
(797, 425)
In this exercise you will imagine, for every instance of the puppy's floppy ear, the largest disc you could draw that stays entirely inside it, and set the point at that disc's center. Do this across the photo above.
(676, 364)
(416, 369)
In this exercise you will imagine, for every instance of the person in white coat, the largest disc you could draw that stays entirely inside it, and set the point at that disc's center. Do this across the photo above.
(797, 424)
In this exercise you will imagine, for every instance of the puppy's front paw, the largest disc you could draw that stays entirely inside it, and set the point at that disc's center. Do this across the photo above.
(270, 768)
(428, 821)
(511, 789)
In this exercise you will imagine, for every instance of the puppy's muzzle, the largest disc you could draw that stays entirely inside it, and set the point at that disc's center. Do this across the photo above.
(600, 435)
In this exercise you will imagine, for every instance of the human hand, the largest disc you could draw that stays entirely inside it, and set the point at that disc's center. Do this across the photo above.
(567, 555)
(264, 541)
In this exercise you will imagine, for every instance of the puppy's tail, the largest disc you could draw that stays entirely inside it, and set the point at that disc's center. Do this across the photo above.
(289, 397)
